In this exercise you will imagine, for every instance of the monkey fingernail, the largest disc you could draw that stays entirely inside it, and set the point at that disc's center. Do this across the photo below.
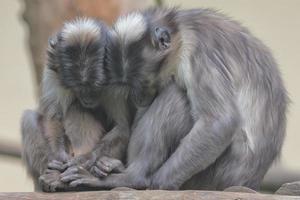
(100, 173)
(74, 183)
(68, 178)
(57, 162)
(68, 172)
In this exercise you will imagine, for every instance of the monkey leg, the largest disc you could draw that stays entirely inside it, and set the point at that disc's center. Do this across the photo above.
(156, 134)
(243, 166)
(36, 152)
(35, 149)
(237, 166)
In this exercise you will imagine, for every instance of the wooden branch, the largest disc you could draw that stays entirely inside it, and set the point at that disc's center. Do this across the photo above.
(147, 195)
(9, 149)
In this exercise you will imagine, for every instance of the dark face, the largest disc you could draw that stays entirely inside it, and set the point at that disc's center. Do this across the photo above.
(142, 62)
(82, 67)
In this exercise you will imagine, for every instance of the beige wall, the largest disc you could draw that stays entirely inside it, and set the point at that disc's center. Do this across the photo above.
(16, 86)
(277, 23)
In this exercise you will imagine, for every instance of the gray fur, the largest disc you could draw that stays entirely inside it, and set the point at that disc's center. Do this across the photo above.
(236, 100)
(77, 108)
(35, 152)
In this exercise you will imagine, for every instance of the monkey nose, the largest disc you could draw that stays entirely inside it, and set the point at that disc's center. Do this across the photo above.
(88, 103)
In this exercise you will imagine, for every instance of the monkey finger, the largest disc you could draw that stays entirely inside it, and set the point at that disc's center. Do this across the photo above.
(57, 162)
(104, 167)
(71, 170)
(51, 171)
(97, 172)
(109, 165)
(70, 163)
(56, 166)
(42, 179)
(53, 186)
(85, 182)
(71, 177)
(44, 184)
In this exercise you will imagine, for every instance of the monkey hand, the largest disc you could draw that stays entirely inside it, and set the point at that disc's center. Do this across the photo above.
(50, 181)
(86, 161)
(105, 165)
(58, 161)
(78, 175)
(57, 165)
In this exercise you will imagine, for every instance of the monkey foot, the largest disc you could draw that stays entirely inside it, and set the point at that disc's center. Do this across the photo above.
(50, 181)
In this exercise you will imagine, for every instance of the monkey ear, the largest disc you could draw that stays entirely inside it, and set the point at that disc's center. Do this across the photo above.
(52, 41)
(52, 52)
(162, 38)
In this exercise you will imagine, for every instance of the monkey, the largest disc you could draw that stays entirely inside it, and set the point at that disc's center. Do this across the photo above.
(77, 108)
(234, 93)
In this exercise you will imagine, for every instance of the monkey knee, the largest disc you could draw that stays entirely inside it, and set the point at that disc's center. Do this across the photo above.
(30, 122)
(31, 130)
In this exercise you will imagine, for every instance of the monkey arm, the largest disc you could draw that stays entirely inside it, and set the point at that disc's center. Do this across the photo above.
(199, 149)
(216, 120)
(111, 152)
(54, 134)
(114, 143)
(112, 147)
(108, 155)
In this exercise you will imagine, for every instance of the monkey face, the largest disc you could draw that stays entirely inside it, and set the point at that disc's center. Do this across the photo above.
(82, 71)
(143, 53)
(81, 54)
(88, 97)
(142, 62)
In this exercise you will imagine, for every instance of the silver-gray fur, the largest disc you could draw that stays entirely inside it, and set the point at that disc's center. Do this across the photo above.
(235, 98)
(76, 109)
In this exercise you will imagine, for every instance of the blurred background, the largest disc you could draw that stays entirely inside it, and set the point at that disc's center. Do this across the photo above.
(26, 24)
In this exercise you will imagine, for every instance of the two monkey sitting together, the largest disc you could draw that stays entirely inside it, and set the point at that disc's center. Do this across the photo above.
(187, 99)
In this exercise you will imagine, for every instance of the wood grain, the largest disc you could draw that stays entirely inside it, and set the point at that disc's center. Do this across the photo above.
(145, 195)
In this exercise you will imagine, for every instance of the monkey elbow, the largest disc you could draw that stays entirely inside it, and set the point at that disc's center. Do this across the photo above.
(227, 124)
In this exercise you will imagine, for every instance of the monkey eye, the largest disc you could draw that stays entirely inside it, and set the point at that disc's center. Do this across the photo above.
(98, 84)
(162, 38)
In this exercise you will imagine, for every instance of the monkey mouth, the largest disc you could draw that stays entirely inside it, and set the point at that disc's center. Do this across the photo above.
(89, 104)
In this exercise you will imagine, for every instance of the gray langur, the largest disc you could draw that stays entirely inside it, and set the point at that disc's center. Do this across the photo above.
(76, 109)
(230, 121)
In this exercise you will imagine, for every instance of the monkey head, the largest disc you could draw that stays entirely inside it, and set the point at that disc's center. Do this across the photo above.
(145, 44)
(78, 55)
